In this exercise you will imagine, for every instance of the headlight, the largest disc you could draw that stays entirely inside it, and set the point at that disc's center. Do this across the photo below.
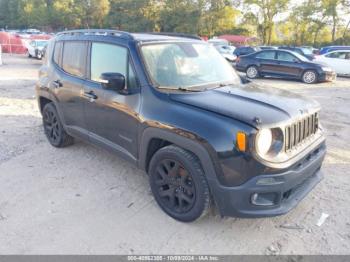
(327, 69)
(269, 142)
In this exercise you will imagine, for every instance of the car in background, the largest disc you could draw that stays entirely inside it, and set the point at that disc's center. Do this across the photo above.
(267, 47)
(36, 48)
(304, 51)
(227, 53)
(327, 49)
(338, 60)
(245, 50)
(284, 64)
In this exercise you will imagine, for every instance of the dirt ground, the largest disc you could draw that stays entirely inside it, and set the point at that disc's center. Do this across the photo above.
(84, 200)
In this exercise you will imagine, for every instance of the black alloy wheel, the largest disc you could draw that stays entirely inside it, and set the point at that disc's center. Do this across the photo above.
(53, 128)
(179, 184)
(175, 186)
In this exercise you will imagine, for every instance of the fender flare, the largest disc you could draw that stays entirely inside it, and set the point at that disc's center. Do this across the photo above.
(192, 145)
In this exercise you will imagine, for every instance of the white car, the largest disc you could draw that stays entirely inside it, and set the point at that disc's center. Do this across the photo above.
(36, 48)
(339, 60)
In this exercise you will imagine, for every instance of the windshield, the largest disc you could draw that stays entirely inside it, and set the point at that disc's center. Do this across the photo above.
(300, 57)
(41, 43)
(307, 51)
(187, 65)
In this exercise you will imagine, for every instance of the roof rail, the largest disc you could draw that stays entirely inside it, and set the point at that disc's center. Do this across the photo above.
(176, 35)
(97, 32)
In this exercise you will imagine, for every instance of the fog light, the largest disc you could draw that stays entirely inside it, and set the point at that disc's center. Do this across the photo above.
(264, 199)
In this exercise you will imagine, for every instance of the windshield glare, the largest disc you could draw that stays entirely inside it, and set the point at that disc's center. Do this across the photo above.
(187, 65)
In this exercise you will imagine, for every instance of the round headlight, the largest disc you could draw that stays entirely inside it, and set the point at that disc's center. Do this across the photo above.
(263, 141)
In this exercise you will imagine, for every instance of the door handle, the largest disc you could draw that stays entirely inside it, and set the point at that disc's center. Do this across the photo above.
(57, 84)
(91, 96)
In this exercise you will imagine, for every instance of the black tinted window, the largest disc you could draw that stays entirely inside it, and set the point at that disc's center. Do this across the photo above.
(57, 53)
(266, 55)
(107, 58)
(284, 56)
(74, 58)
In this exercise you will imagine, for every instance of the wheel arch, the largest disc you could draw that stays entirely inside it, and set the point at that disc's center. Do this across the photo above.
(151, 136)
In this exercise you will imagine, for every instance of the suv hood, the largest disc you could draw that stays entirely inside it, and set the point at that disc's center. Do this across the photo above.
(258, 106)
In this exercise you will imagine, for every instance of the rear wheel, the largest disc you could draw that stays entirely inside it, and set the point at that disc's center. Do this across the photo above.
(309, 77)
(252, 72)
(178, 184)
(53, 127)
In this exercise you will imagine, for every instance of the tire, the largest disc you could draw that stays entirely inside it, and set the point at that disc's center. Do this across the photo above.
(53, 127)
(39, 56)
(178, 184)
(252, 72)
(309, 77)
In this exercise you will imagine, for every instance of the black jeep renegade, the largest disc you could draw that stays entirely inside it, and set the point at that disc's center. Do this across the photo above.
(175, 108)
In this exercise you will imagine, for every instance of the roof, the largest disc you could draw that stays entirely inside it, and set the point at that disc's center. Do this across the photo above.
(132, 36)
(236, 38)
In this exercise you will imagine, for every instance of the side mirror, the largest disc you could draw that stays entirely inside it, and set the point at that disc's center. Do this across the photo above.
(295, 60)
(113, 81)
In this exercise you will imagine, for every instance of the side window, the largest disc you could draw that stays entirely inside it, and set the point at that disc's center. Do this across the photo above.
(266, 55)
(58, 53)
(333, 55)
(284, 56)
(108, 58)
(74, 58)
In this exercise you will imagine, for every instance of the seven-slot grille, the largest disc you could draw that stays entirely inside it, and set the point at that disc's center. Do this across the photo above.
(300, 130)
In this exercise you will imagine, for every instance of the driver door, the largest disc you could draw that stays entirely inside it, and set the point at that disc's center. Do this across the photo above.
(111, 116)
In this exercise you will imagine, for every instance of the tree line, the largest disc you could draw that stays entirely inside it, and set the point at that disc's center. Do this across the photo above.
(304, 22)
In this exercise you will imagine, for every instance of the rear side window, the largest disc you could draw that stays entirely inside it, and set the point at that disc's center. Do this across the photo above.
(58, 53)
(74, 58)
(108, 58)
(266, 55)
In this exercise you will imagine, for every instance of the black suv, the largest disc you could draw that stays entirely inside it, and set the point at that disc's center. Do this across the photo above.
(175, 107)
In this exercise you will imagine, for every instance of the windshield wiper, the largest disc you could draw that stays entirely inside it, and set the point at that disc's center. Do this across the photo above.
(179, 88)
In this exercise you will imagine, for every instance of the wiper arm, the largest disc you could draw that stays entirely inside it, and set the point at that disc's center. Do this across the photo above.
(179, 88)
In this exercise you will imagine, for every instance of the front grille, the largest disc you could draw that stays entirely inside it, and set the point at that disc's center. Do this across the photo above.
(300, 130)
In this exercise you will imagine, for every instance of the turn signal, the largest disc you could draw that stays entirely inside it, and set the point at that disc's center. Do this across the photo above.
(241, 141)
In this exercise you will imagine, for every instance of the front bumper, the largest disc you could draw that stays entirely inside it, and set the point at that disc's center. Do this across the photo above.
(288, 189)
(327, 76)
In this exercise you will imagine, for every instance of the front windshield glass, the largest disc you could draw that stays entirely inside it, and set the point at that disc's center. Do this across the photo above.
(300, 57)
(307, 51)
(187, 65)
(41, 43)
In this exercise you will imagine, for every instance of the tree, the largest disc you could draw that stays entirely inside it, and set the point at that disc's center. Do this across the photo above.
(263, 12)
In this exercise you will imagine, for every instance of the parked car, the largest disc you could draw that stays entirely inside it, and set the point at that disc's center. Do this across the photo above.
(176, 109)
(227, 53)
(284, 64)
(306, 52)
(338, 60)
(245, 50)
(327, 49)
(36, 48)
(267, 47)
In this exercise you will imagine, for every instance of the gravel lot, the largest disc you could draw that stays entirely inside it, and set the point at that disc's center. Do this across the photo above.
(84, 200)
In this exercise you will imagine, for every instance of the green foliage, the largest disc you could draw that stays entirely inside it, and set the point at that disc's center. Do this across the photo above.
(307, 22)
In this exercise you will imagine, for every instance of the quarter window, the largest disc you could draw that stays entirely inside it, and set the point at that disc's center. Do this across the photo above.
(266, 55)
(74, 58)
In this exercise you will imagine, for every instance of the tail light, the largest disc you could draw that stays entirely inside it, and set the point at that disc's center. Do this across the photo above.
(237, 60)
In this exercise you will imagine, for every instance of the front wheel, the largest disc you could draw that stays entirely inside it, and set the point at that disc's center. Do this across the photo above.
(309, 77)
(178, 184)
(252, 72)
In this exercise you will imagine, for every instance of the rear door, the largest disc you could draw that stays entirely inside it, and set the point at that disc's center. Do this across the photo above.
(111, 116)
(267, 62)
(288, 65)
(67, 83)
